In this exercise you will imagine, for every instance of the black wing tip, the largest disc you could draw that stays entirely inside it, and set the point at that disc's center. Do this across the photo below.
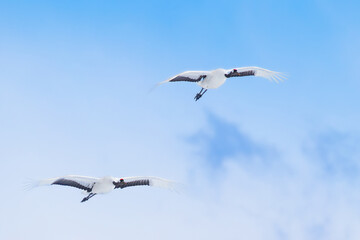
(236, 73)
(122, 184)
(187, 79)
(71, 183)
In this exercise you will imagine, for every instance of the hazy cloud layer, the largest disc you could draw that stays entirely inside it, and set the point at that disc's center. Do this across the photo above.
(277, 201)
(336, 153)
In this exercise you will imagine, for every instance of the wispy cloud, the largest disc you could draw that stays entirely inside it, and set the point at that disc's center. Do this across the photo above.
(222, 140)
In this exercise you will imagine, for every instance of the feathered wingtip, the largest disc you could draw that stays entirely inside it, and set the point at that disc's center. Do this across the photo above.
(157, 85)
(279, 77)
(166, 184)
(177, 187)
(29, 184)
(32, 183)
(272, 76)
(166, 81)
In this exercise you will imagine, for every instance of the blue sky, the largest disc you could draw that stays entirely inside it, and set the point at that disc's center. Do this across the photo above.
(259, 160)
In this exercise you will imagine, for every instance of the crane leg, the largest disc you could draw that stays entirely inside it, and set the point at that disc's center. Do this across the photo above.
(88, 197)
(199, 95)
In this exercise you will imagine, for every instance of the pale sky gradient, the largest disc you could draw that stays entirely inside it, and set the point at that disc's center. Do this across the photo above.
(258, 160)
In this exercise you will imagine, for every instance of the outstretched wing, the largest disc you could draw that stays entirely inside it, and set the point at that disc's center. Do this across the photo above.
(188, 76)
(144, 181)
(81, 182)
(257, 72)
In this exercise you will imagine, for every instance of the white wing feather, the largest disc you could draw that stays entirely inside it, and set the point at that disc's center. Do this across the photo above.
(262, 72)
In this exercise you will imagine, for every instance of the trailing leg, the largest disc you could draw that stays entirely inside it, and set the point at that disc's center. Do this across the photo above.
(88, 197)
(200, 94)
